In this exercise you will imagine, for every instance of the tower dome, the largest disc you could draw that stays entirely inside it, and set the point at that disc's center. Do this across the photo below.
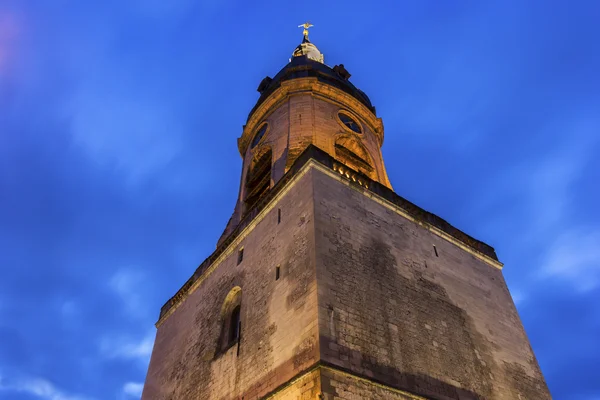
(306, 48)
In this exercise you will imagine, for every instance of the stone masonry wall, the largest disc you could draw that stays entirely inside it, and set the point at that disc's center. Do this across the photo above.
(390, 310)
(361, 289)
(279, 317)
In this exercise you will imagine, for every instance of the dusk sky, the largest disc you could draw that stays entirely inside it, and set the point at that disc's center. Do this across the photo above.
(119, 166)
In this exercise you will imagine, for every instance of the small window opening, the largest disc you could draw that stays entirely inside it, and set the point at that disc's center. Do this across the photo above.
(240, 255)
(261, 132)
(278, 215)
(435, 250)
(349, 122)
(277, 271)
(234, 325)
(231, 322)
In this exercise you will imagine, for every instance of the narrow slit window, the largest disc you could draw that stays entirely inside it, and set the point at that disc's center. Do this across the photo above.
(278, 215)
(240, 255)
(277, 272)
(435, 250)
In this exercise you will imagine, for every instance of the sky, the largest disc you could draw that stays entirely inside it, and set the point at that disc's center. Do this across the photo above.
(119, 166)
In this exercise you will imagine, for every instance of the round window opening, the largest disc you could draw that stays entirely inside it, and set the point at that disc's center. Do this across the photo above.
(259, 135)
(349, 122)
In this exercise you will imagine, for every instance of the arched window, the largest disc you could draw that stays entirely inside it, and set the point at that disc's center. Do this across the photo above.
(231, 320)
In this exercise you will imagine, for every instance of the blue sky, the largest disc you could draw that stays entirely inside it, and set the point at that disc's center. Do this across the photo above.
(119, 167)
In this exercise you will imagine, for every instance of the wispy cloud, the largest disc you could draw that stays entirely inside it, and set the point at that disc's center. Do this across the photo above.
(69, 309)
(39, 387)
(128, 348)
(518, 296)
(549, 189)
(572, 251)
(126, 283)
(117, 118)
(575, 257)
(133, 389)
(546, 183)
(116, 128)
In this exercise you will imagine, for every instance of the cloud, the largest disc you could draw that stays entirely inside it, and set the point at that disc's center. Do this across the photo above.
(127, 348)
(575, 257)
(116, 127)
(549, 192)
(126, 284)
(518, 296)
(572, 252)
(122, 110)
(534, 195)
(546, 183)
(133, 389)
(39, 387)
(69, 309)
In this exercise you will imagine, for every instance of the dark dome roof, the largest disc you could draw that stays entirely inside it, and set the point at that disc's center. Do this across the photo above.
(302, 66)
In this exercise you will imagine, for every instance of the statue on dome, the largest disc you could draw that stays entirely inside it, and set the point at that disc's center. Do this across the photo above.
(305, 25)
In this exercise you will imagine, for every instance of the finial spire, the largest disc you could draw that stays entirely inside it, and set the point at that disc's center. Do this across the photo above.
(305, 25)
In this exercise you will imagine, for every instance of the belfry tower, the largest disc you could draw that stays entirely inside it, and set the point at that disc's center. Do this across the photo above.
(326, 284)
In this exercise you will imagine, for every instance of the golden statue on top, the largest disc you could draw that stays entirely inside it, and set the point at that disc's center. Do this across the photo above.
(305, 25)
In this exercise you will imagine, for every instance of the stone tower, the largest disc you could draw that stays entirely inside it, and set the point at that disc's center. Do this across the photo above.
(326, 284)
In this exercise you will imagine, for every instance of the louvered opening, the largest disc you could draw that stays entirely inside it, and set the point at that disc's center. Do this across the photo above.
(259, 179)
(352, 159)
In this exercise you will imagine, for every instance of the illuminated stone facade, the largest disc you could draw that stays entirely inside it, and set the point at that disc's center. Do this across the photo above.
(328, 285)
